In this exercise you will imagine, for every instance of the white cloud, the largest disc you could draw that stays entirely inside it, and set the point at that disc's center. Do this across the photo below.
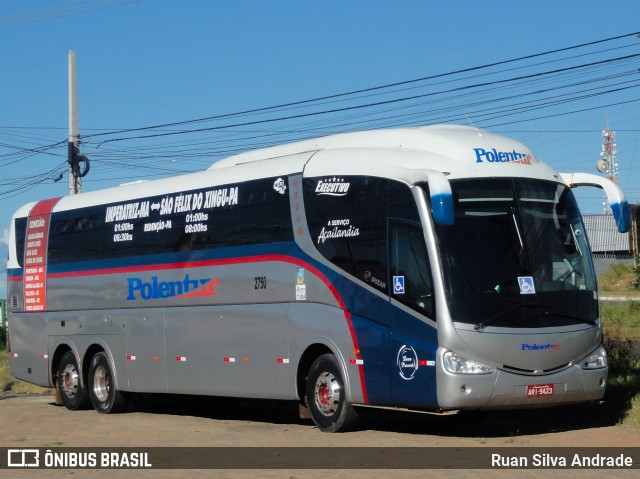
(5, 237)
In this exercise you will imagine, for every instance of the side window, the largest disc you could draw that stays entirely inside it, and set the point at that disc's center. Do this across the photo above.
(265, 214)
(401, 202)
(79, 235)
(221, 229)
(347, 222)
(261, 216)
(20, 233)
(410, 271)
(255, 212)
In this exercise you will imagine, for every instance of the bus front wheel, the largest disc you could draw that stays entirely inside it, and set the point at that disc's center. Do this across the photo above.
(72, 393)
(326, 396)
(104, 396)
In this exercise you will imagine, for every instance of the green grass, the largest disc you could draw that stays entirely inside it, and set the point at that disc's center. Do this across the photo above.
(633, 416)
(621, 327)
(621, 279)
(622, 400)
(621, 318)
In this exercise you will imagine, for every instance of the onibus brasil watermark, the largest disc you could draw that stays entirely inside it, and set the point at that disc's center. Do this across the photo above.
(54, 459)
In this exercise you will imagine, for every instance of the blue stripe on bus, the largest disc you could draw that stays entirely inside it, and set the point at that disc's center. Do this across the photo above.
(374, 321)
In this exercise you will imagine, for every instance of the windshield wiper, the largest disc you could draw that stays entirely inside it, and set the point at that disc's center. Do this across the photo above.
(519, 304)
(515, 223)
(481, 325)
(591, 322)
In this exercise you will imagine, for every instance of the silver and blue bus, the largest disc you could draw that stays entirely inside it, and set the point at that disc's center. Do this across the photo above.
(434, 269)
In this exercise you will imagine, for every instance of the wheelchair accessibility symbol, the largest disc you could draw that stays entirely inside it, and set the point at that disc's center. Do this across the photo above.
(526, 285)
(398, 284)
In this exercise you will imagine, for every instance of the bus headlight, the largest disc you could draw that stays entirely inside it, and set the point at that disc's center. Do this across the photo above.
(596, 360)
(458, 364)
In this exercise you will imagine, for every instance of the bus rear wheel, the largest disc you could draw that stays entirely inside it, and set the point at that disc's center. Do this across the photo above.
(326, 396)
(106, 399)
(72, 393)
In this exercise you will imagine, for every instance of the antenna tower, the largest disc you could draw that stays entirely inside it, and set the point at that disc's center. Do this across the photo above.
(608, 163)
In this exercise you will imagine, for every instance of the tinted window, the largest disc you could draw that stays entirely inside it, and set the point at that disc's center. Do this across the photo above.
(71, 236)
(347, 222)
(401, 203)
(221, 216)
(20, 233)
(410, 270)
(264, 215)
(347, 219)
(517, 255)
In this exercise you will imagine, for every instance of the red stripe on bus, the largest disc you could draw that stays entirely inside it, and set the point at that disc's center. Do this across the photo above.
(34, 285)
(230, 261)
(44, 207)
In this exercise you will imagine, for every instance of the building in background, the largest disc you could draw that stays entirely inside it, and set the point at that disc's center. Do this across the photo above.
(608, 246)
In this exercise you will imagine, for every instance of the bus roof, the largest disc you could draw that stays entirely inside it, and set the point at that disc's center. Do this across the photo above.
(457, 151)
(402, 153)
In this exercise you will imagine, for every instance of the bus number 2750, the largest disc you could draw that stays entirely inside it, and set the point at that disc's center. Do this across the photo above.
(260, 282)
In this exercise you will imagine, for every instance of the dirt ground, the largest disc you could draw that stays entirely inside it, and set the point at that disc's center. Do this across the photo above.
(172, 421)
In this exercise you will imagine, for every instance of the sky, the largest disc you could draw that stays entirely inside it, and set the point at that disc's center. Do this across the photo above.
(148, 69)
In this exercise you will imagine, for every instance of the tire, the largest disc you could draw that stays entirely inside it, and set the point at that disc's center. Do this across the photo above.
(73, 394)
(326, 396)
(106, 399)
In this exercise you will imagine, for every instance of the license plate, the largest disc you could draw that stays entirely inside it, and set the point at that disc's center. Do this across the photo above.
(540, 390)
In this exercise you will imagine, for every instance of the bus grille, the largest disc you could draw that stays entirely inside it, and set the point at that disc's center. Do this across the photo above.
(534, 372)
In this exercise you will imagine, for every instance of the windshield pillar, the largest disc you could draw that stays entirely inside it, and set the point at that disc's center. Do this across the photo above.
(443, 318)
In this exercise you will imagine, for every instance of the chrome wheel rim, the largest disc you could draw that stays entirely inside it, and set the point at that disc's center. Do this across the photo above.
(327, 393)
(101, 383)
(69, 380)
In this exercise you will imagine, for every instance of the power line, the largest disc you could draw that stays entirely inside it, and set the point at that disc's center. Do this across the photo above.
(515, 97)
(380, 87)
(357, 107)
(77, 7)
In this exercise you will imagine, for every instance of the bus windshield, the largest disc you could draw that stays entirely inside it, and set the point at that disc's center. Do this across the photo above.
(517, 256)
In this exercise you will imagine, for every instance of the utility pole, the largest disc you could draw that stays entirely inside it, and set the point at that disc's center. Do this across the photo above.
(74, 157)
(75, 183)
